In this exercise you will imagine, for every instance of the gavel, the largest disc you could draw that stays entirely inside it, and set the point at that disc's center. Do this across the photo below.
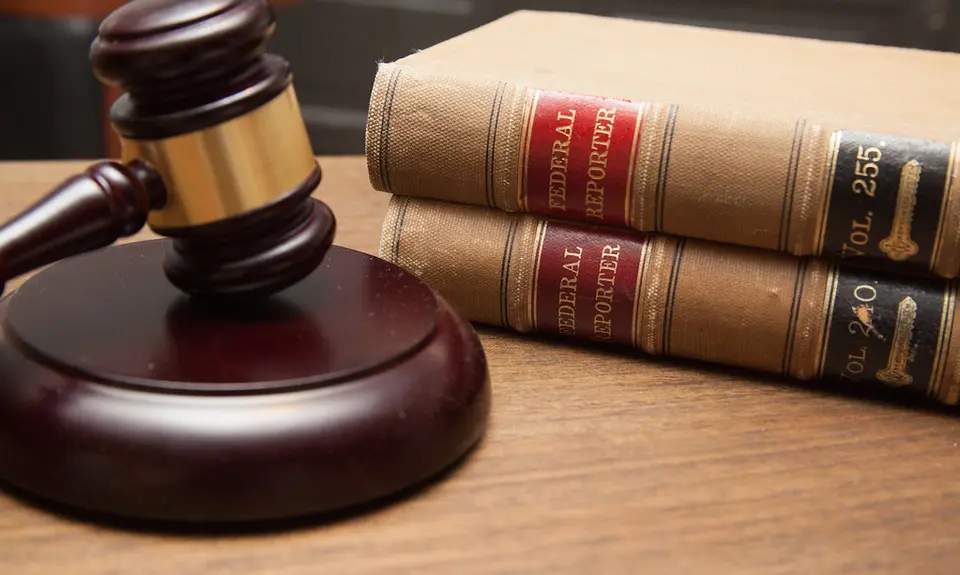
(215, 155)
(242, 367)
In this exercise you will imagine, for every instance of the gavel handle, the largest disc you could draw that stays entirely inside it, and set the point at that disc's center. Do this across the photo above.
(107, 201)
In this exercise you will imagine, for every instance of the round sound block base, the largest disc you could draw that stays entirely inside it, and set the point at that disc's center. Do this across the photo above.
(122, 396)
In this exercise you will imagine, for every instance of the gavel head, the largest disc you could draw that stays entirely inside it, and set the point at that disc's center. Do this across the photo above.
(218, 119)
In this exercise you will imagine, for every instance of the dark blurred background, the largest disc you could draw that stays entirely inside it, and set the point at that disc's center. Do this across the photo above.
(51, 106)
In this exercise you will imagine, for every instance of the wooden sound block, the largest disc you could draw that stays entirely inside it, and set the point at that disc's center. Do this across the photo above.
(121, 395)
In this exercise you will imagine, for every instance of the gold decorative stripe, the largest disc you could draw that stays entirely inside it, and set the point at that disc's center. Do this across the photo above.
(526, 123)
(947, 333)
(669, 130)
(671, 297)
(489, 156)
(538, 254)
(790, 186)
(939, 354)
(829, 175)
(634, 145)
(505, 273)
(641, 273)
(829, 299)
(231, 168)
(947, 190)
(795, 305)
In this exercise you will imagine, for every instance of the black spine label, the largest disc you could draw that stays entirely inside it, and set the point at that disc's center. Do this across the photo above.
(886, 201)
(888, 331)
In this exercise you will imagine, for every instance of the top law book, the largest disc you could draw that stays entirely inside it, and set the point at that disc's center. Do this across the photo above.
(815, 148)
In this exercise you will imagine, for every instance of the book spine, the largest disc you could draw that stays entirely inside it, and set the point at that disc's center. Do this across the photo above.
(800, 317)
(791, 185)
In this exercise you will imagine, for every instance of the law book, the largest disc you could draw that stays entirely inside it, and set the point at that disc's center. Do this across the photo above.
(842, 151)
(803, 318)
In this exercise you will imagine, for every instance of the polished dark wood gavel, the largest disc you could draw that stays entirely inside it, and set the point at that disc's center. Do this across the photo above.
(216, 156)
(242, 367)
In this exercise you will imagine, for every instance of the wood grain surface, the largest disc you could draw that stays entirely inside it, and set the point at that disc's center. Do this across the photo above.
(595, 462)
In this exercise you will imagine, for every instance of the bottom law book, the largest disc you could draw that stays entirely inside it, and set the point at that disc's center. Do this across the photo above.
(803, 318)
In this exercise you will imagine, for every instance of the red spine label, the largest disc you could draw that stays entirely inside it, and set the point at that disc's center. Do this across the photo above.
(586, 282)
(577, 157)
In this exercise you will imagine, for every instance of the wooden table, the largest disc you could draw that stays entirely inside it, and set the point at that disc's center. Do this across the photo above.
(594, 463)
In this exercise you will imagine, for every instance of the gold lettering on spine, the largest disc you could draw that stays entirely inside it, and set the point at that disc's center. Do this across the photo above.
(597, 166)
(899, 246)
(895, 373)
(567, 301)
(559, 158)
(862, 325)
(867, 168)
(603, 297)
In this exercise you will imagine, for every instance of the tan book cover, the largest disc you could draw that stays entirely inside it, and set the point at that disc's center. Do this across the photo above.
(799, 317)
(810, 147)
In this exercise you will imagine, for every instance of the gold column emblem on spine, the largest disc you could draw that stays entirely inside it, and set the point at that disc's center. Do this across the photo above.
(895, 374)
(898, 245)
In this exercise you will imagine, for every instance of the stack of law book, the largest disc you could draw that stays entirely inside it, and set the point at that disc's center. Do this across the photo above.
(784, 205)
